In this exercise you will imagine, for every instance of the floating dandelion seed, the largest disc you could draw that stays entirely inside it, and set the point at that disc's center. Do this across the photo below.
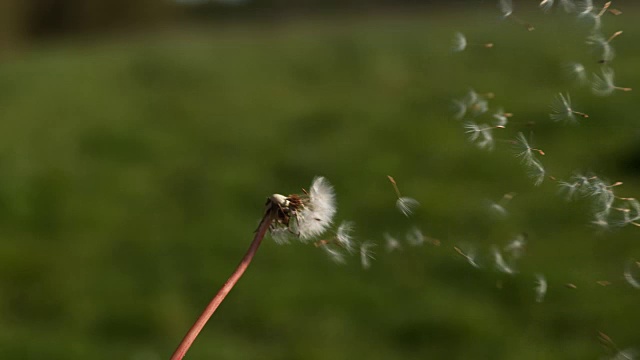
(470, 255)
(502, 118)
(577, 72)
(460, 43)
(546, 5)
(541, 287)
(537, 172)
(525, 151)
(499, 208)
(415, 237)
(335, 255)
(587, 11)
(366, 254)
(406, 205)
(391, 243)
(567, 5)
(561, 109)
(626, 354)
(344, 236)
(481, 134)
(628, 273)
(500, 262)
(603, 46)
(506, 8)
(516, 246)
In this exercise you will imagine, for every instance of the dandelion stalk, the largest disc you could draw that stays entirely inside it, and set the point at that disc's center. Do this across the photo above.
(185, 344)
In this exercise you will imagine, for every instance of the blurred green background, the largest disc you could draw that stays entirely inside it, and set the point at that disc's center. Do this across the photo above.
(135, 159)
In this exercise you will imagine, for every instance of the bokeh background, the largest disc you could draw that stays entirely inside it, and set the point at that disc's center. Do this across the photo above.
(139, 140)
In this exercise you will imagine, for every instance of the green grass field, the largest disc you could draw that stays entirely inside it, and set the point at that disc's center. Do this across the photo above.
(134, 172)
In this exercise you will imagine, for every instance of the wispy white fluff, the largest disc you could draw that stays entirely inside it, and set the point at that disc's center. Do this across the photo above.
(391, 243)
(318, 212)
(366, 254)
(407, 205)
(541, 287)
(500, 263)
(344, 236)
(415, 237)
(628, 275)
(516, 246)
(335, 255)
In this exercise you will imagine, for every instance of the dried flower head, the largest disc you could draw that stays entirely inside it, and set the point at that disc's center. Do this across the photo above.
(303, 216)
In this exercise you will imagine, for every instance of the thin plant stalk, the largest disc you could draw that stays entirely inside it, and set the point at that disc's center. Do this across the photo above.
(185, 344)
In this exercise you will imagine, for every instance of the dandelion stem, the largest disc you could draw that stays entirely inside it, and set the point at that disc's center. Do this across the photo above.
(226, 288)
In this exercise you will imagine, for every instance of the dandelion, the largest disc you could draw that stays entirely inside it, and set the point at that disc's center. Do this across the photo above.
(628, 274)
(541, 287)
(470, 255)
(406, 205)
(502, 118)
(344, 236)
(577, 72)
(500, 262)
(587, 11)
(536, 172)
(506, 8)
(525, 151)
(415, 237)
(391, 243)
(304, 216)
(460, 43)
(366, 254)
(499, 208)
(335, 255)
(626, 354)
(567, 5)
(603, 46)
(481, 134)
(561, 109)
(516, 246)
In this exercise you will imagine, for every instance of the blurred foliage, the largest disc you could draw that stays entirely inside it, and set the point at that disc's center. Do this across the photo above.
(134, 173)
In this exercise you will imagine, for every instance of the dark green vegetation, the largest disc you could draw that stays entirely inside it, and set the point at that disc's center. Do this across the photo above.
(132, 176)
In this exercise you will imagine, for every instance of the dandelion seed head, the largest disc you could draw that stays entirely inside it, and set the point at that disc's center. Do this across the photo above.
(561, 110)
(407, 205)
(317, 216)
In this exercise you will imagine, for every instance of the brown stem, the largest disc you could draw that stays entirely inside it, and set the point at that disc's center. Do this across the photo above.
(226, 288)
